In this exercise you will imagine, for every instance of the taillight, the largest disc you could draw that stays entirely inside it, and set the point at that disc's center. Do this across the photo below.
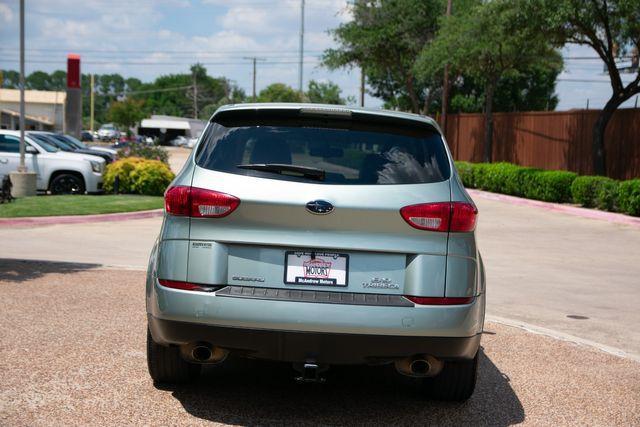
(443, 216)
(439, 300)
(188, 286)
(199, 202)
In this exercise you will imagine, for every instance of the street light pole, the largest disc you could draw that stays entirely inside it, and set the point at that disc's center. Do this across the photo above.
(22, 167)
(301, 45)
(24, 183)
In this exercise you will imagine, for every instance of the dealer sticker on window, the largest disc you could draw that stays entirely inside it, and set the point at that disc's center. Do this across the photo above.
(316, 268)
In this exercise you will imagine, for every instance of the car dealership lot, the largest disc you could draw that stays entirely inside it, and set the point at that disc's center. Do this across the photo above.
(72, 334)
(73, 352)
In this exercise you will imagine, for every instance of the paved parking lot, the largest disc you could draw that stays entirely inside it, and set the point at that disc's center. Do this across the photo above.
(72, 335)
(72, 352)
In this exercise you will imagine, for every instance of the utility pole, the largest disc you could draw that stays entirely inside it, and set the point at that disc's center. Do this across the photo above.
(195, 95)
(22, 168)
(91, 103)
(301, 45)
(445, 85)
(254, 59)
(361, 86)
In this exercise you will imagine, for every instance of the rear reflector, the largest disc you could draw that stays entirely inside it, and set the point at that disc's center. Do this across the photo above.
(188, 286)
(198, 202)
(440, 300)
(444, 216)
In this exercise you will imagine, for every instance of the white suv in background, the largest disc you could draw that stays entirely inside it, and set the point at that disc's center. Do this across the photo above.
(58, 172)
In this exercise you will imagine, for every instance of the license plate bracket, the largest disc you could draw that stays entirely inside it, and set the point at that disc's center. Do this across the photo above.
(316, 268)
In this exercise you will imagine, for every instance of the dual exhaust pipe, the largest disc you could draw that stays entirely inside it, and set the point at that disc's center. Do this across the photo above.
(203, 353)
(419, 366)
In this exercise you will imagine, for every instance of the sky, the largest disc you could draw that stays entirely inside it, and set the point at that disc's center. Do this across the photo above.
(148, 38)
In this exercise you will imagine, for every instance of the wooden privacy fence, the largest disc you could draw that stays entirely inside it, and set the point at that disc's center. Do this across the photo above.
(550, 140)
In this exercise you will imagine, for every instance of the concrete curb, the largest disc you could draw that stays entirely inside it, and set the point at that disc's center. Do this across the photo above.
(555, 207)
(36, 221)
(562, 336)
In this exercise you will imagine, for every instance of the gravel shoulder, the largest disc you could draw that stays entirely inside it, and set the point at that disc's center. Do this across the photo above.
(72, 352)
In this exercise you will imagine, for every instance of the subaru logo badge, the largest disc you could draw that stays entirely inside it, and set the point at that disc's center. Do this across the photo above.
(320, 207)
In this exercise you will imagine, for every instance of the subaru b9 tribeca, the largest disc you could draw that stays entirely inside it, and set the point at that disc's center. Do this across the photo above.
(318, 235)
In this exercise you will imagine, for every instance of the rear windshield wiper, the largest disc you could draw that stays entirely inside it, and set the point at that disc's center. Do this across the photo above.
(306, 171)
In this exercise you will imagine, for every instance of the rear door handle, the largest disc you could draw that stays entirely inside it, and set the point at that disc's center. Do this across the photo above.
(4, 161)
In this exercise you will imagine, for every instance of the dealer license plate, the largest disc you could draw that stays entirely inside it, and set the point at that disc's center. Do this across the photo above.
(316, 268)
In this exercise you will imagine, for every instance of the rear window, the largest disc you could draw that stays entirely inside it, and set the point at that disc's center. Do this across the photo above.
(347, 152)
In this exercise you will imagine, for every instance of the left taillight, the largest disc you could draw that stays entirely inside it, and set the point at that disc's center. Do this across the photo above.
(188, 286)
(442, 216)
(199, 202)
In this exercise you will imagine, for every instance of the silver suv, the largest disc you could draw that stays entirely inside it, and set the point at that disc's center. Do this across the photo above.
(318, 235)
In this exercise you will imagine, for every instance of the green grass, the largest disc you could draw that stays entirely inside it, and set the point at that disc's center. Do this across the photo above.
(78, 205)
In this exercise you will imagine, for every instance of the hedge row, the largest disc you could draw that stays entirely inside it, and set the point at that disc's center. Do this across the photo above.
(138, 176)
(553, 186)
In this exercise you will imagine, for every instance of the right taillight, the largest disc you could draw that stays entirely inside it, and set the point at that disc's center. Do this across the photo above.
(198, 202)
(442, 216)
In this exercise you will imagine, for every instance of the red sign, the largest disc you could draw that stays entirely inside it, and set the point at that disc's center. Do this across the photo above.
(73, 71)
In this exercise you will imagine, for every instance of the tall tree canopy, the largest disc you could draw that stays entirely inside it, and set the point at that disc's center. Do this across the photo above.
(612, 29)
(325, 93)
(385, 38)
(488, 42)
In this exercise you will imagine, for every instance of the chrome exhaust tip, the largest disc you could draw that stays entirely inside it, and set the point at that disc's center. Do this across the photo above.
(203, 353)
(419, 366)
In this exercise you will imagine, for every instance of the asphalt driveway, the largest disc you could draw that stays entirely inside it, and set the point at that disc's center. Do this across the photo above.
(72, 352)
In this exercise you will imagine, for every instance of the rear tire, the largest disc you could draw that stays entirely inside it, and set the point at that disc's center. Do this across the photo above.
(456, 382)
(166, 366)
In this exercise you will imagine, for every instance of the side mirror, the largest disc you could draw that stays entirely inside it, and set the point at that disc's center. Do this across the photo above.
(29, 149)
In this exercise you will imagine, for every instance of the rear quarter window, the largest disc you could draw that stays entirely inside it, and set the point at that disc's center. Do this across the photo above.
(348, 152)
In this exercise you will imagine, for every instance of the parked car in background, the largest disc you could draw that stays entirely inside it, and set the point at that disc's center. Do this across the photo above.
(63, 144)
(75, 142)
(86, 136)
(179, 141)
(58, 171)
(191, 142)
(319, 235)
(108, 132)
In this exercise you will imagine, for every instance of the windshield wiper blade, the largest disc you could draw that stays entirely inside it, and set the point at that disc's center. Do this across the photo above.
(281, 168)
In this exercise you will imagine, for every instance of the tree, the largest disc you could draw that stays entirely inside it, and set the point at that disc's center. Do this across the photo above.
(279, 92)
(126, 113)
(532, 89)
(324, 93)
(612, 29)
(489, 42)
(385, 38)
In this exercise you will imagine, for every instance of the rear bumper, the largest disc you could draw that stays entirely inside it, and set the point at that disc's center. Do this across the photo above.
(326, 348)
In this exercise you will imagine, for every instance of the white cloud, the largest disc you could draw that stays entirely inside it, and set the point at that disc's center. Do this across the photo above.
(6, 14)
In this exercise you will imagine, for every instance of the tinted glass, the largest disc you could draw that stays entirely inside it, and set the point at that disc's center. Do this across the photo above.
(72, 141)
(355, 154)
(46, 145)
(9, 144)
(52, 141)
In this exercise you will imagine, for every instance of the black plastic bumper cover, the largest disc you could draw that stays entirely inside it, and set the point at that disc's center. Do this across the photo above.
(329, 348)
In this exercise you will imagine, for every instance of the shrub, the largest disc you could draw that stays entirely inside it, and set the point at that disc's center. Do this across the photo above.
(151, 178)
(465, 171)
(550, 186)
(123, 169)
(585, 189)
(138, 176)
(607, 195)
(629, 197)
(150, 152)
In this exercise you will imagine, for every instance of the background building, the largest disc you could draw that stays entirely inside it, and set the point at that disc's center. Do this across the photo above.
(44, 109)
